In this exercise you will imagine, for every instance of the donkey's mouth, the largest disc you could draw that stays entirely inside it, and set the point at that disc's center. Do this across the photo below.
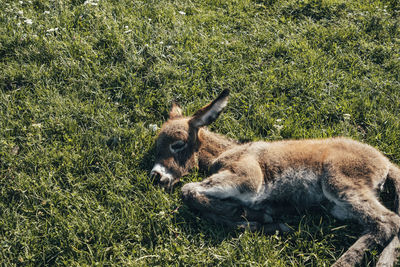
(167, 184)
(160, 176)
(159, 179)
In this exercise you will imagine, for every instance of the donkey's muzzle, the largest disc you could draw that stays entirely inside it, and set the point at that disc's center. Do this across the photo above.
(159, 180)
(161, 176)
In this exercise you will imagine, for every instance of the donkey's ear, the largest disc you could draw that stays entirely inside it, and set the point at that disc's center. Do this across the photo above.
(176, 111)
(210, 113)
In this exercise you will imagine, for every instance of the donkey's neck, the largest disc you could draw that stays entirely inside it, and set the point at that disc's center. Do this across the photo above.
(211, 146)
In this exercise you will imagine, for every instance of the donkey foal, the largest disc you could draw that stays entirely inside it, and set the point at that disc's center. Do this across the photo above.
(252, 182)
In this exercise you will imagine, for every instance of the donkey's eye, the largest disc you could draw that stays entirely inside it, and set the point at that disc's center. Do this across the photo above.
(177, 146)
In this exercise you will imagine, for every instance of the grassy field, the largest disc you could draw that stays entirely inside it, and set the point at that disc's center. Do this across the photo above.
(82, 84)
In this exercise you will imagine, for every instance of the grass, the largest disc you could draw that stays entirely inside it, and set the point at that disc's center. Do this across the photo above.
(82, 82)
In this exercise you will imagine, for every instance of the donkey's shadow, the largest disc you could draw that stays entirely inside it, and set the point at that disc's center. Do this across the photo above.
(313, 226)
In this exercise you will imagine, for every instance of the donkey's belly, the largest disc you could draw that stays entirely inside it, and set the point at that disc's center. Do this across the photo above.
(299, 187)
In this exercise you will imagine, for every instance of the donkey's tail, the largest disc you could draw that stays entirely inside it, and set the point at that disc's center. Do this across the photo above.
(390, 254)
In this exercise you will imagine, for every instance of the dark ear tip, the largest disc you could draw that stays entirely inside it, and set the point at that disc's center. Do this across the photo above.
(222, 95)
(225, 93)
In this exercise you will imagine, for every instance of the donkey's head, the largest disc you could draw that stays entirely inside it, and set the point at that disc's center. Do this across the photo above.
(177, 144)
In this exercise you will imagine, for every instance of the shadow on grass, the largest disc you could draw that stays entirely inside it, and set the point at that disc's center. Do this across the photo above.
(148, 160)
(315, 221)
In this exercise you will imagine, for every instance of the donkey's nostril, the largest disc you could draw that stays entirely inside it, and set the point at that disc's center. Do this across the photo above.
(156, 176)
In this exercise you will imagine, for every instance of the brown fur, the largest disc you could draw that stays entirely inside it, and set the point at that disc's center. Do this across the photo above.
(248, 183)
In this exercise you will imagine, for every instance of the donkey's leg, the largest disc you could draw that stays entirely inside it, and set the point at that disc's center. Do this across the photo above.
(226, 209)
(223, 194)
(229, 212)
(381, 224)
(355, 253)
(389, 255)
(227, 197)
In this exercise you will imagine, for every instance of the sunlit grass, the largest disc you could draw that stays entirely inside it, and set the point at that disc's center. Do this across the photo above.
(84, 84)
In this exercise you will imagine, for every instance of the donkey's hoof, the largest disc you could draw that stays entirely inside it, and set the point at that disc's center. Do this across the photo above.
(252, 226)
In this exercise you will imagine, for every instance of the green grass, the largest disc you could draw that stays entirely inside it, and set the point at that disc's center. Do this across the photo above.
(81, 84)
